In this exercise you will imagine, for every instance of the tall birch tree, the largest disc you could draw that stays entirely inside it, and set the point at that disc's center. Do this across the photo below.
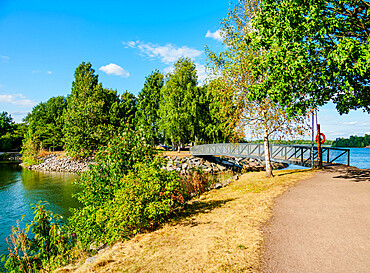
(235, 71)
(177, 107)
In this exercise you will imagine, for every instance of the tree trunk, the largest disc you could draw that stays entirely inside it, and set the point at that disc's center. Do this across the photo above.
(267, 155)
(179, 148)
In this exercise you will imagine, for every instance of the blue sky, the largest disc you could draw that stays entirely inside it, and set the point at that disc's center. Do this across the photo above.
(42, 43)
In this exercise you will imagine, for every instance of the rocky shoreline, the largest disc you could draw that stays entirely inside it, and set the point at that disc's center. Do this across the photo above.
(56, 163)
(213, 164)
(209, 164)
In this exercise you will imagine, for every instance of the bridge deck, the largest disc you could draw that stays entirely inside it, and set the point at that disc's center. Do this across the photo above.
(291, 154)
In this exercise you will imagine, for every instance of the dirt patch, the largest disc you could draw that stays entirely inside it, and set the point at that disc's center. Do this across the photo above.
(219, 232)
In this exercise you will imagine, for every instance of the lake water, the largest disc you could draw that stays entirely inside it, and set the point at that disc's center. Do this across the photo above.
(359, 157)
(19, 188)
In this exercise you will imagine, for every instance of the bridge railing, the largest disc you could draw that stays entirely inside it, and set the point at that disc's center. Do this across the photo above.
(292, 154)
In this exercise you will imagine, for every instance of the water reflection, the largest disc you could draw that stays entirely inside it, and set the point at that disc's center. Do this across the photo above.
(19, 188)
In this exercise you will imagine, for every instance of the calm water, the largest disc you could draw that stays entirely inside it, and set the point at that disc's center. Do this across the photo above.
(19, 188)
(360, 158)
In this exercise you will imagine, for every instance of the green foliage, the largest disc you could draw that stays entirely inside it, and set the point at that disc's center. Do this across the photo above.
(46, 248)
(93, 113)
(213, 115)
(148, 104)
(6, 123)
(144, 200)
(45, 123)
(293, 142)
(127, 173)
(177, 107)
(13, 140)
(315, 51)
(31, 148)
(127, 110)
(353, 141)
(11, 134)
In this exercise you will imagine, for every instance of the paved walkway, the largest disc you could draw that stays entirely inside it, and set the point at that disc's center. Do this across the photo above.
(322, 225)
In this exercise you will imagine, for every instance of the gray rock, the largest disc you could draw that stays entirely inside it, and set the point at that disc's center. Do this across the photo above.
(217, 186)
(91, 260)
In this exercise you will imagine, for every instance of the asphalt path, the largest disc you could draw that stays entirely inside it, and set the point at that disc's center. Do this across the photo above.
(321, 225)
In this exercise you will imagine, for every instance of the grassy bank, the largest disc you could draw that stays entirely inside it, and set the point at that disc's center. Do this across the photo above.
(219, 232)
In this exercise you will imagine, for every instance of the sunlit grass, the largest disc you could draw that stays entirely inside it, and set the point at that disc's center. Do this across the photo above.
(219, 232)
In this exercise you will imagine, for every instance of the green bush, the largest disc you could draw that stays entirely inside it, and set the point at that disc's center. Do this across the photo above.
(30, 150)
(144, 200)
(125, 192)
(42, 245)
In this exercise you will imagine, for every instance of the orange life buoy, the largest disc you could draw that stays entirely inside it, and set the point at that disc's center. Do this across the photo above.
(322, 138)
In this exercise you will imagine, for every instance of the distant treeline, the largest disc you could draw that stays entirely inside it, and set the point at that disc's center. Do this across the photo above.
(293, 142)
(353, 141)
(172, 108)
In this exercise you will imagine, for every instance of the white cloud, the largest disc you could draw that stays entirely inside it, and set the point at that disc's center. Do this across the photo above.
(167, 54)
(40, 71)
(113, 69)
(131, 44)
(19, 113)
(202, 73)
(4, 58)
(168, 69)
(17, 99)
(214, 35)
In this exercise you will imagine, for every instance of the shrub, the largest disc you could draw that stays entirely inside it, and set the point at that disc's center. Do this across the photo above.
(125, 192)
(194, 182)
(41, 246)
(146, 198)
(30, 150)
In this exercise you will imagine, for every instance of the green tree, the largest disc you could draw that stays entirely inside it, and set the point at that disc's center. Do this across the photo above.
(177, 107)
(235, 69)
(11, 134)
(148, 104)
(314, 52)
(212, 115)
(352, 141)
(45, 123)
(128, 109)
(90, 118)
(6, 123)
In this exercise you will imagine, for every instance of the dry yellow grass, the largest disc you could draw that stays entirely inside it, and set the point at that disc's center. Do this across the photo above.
(220, 232)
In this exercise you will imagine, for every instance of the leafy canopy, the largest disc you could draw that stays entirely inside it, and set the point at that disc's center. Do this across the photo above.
(315, 51)
(148, 104)
(93, 113)
(6, 123)
(177, 107)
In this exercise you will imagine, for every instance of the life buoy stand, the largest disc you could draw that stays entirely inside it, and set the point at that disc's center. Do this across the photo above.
(322, 138)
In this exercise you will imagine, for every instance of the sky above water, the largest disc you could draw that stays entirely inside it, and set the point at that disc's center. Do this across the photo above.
(42, 43)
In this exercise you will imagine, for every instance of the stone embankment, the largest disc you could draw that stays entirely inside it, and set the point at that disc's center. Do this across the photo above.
(55, 163)
(210, 164)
